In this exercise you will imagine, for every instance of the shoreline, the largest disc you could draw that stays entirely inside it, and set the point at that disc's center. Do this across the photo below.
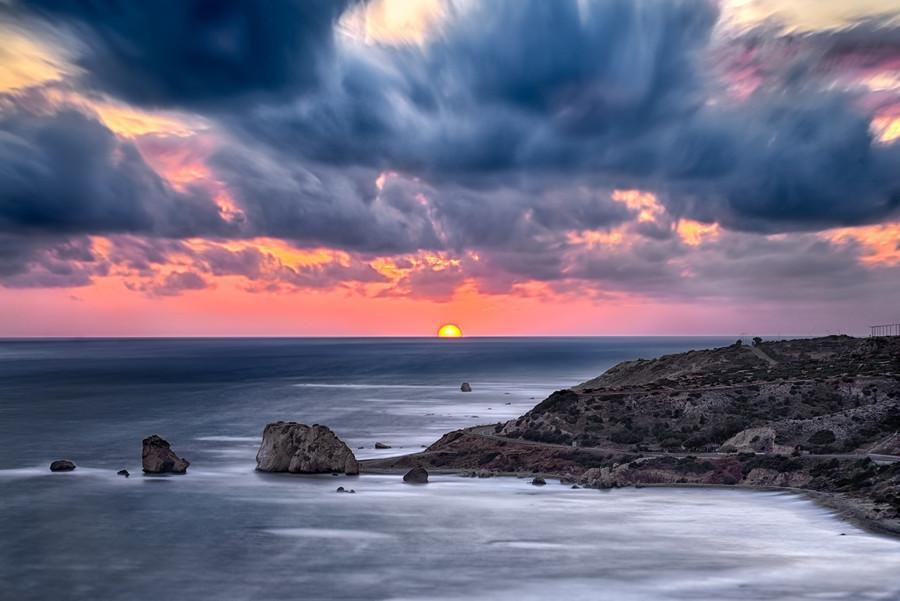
(843, 507)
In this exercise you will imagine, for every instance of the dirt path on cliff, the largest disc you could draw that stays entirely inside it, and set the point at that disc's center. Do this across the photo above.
(762, 355)
(486, 432)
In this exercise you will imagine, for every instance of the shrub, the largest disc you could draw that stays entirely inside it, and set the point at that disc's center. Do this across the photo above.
(822, 437)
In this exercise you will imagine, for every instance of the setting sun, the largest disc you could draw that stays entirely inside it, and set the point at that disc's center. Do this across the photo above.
(449, 330)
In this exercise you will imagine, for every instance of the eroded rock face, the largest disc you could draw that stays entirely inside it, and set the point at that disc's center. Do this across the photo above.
(158, 458)
(416, 475)
(300, 449)
(62, 465)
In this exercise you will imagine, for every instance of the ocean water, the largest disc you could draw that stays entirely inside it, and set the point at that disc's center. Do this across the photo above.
(224, 532)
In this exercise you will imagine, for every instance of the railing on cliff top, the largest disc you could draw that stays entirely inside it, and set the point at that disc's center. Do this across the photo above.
(888, 329)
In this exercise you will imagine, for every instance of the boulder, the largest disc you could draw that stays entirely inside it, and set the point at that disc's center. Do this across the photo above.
(416, 475)
(381, 445)
(62, 465)
(300, 449)
(157, 457)
(465, 387)
(123, 473)
(538, 481)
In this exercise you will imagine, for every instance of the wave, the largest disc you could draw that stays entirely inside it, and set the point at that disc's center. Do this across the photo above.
(365, 386)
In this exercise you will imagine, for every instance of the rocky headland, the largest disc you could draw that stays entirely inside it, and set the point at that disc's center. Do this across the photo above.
(818, 415)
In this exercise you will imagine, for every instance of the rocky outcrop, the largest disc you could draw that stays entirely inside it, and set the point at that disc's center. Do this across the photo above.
(416, 475)
(300, 449)
(753, 440)
(465, 387)
(157, 457)
(62, 465)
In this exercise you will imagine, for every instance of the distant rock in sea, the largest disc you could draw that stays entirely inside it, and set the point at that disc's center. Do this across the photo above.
(300, 449)
(538, 481)
(416, 475)
(123, 473)
(381, 445)
(157, 457)
(62, 465)
(465, 387)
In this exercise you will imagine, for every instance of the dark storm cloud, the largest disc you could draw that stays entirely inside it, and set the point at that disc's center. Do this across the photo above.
(616, 93)
(790, 164)
(195, 52)
(172, 284)
(67, 173)
(48, 262)
(505, 85)
(320, 205)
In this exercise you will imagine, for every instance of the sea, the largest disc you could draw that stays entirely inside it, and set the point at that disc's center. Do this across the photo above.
(224, 532)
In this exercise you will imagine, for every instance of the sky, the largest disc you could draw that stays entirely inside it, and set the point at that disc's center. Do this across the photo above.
(516, 167)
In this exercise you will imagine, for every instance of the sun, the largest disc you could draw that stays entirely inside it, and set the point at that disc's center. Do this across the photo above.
(449, 330)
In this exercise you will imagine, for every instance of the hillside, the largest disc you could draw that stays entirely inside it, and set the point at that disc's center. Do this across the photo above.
(824, 395)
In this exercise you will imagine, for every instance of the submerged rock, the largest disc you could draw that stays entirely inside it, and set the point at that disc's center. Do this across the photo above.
(416, 475)
(538, 481)
(62, 465)
(465, 387)
(382, 445)
(300, 449)
(123, 473)
(157, 457)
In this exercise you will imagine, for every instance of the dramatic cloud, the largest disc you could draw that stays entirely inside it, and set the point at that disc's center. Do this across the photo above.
(187, 53)
(66, 173)
(38, 262)
(617, 92)
(566, 149)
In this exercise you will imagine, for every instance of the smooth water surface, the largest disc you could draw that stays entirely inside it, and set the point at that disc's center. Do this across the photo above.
(224, 532)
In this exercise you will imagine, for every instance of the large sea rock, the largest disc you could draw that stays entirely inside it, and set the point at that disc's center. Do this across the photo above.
(300, 449)
(158, 458)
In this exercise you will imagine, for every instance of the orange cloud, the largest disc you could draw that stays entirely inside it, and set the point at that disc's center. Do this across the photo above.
(694, 233)
(645, 203)
(880, 243)
(25, 63)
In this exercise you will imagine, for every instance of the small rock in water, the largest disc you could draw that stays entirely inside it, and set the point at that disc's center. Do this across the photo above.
(340, 489)
(465, 387)
(123, 473)
(575, 486)
(351, 491)
(381, 445)
(416, 475)
(538, 481)
(62, 465)
(157, 457)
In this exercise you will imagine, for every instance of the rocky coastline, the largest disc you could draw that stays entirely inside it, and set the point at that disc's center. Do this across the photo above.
(818, 417)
